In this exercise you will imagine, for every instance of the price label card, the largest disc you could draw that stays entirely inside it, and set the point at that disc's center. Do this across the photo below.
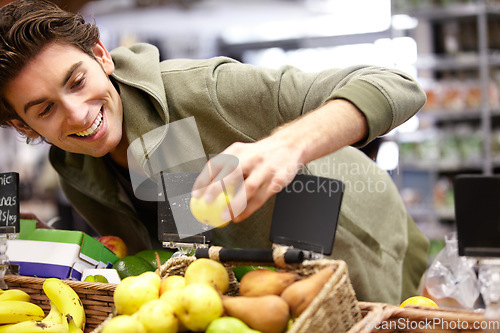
(9, 201)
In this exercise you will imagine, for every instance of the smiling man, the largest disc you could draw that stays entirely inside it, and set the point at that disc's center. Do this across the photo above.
(58, 82)
(73, 105)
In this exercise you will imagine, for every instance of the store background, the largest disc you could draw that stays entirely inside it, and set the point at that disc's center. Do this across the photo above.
(451, 47)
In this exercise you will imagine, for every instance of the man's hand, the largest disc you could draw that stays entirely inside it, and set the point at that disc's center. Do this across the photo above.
(267, 166)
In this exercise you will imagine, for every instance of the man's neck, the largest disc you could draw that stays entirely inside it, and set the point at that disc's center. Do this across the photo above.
(119, 155)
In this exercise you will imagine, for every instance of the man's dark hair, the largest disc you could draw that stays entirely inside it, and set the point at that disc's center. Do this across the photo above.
(26, 26)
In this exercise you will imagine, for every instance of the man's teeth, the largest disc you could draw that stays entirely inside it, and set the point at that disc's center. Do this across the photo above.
(92, 129)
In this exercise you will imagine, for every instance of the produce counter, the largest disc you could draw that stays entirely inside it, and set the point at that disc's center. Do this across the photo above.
(334, 309)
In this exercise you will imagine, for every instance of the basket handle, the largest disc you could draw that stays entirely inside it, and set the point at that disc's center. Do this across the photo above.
(279, 256)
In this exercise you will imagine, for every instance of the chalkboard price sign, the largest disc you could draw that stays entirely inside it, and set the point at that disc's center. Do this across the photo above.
(9, 200)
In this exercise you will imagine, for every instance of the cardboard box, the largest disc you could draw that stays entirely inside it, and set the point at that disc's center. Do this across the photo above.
(62, 254)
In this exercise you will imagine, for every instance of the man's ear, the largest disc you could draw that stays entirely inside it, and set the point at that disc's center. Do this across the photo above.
(23, 128)
(103, 57)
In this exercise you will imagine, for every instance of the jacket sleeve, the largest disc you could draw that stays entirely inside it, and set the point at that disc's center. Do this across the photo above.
(248, 94)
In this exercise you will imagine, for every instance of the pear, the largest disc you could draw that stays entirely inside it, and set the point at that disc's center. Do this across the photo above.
(199, 305)
(229, 325)
(266, 282)
(172, 282)
(173, 298)
(210, 213)
(268, 314)
(157, 316)
(207, 271)
(301, 293)
(134, 291)
(124, 324)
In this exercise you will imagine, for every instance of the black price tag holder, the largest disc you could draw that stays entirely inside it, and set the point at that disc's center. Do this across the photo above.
(179, 186)
(9, 218)
(9, 201)
(306, 213)
(477, 213)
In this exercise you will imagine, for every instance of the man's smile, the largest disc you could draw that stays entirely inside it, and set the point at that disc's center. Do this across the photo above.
(94, 128)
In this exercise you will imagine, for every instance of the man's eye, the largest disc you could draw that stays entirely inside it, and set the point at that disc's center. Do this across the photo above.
(45, 112)
(78, 83)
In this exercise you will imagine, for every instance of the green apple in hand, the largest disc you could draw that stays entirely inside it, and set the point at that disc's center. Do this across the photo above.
(210, 213)
(134, 291)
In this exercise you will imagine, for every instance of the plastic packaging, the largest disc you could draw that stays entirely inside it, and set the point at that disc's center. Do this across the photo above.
(451, 280)
(489, 278)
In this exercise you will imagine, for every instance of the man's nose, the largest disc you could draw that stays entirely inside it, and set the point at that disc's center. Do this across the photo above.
(75, 111)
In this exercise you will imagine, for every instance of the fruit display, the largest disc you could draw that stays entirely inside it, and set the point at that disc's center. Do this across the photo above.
(19, 315)
(198, 301)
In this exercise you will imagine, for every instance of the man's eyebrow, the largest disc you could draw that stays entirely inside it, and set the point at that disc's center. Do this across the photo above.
(33, 103)
(68, 75)
(70, 72)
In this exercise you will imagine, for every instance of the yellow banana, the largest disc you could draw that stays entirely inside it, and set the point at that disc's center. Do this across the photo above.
(54, 315)
(12, 312)
(33, 326)
(65, 299)
(73, 328)
(15, 295)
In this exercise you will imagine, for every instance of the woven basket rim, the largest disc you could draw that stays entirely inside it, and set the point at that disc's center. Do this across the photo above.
(73, 283)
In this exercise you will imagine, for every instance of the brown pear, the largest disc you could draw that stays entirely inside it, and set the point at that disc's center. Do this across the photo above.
(263, 281)
(268, 314)
(301, 293)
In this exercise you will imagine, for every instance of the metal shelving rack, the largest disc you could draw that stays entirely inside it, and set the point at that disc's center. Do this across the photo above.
(481, 60)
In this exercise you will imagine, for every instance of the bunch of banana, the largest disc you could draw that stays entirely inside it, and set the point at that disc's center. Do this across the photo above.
(19, 315)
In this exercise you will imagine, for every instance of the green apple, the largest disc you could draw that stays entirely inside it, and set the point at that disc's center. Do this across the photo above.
(157, 316)
(210, 213)
(124, 324)
(208, 271)
(134, 291)
(229, 325)
(200, 305)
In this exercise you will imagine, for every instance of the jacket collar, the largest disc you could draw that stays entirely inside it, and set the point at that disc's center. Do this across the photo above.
(138, 76)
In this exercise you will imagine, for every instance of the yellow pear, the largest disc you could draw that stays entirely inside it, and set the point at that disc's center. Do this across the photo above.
(210, 213)
(301, 293)
(200, 304)
(157, 316)
(207, 271)
(173, 298)
(134, 291)
(263, 281)
(172, 282)
(268, 314)
(124, 324)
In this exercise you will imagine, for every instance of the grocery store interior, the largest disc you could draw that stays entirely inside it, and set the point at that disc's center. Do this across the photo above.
(450, 46)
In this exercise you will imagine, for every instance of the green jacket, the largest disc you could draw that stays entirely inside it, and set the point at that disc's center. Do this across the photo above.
(384, 250)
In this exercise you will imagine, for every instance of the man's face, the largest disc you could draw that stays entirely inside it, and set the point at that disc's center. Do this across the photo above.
(66, 96)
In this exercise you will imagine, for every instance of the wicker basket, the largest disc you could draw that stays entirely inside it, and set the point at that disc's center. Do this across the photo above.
(97, 298)
(335, 309)
(381, 317)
